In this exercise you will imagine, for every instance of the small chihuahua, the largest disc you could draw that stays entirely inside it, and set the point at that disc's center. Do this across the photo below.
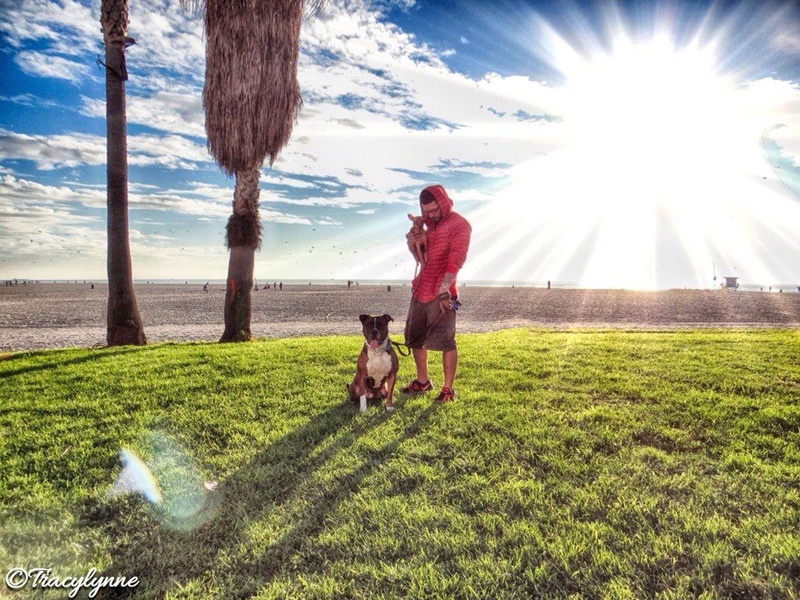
(418, 239)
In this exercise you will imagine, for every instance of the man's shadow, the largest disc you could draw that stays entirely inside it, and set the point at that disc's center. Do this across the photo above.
(277, 480)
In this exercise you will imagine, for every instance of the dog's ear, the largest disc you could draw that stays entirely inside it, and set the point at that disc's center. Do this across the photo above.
(410, 217)
(388, 318)
(363, 318)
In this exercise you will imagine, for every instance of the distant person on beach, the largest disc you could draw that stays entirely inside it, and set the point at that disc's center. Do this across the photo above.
(431, 320)
(205, 287)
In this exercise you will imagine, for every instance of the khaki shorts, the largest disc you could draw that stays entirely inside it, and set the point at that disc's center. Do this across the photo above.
(428, 328)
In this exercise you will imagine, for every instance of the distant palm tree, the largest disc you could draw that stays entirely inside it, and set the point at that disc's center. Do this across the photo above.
(251, 97)
(124, 324)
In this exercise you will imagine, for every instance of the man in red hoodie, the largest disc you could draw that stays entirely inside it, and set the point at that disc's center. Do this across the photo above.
(431, 321)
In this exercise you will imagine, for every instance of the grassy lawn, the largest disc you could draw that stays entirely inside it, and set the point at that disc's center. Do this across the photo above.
(586, 464)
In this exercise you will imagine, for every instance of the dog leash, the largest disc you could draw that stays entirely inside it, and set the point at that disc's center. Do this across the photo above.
(400, 347)
(455, 305)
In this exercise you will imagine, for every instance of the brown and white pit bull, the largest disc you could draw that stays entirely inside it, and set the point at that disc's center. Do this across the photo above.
(376, 369)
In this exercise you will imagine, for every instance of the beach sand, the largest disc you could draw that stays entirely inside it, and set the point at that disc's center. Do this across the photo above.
(58, 315)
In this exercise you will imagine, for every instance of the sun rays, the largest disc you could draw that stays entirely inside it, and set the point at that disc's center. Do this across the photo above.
(661, 173)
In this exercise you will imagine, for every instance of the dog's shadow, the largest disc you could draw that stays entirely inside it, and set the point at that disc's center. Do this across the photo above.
(279, 480)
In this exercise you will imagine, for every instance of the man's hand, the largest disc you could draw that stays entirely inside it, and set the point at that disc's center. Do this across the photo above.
(445, 302)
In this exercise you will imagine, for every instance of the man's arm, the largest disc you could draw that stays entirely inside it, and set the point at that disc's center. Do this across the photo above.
(455, 260)
(459, 245)
(447, 281)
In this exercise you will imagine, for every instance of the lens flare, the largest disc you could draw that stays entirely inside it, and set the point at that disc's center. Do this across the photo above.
(135, 478)
(178, 496)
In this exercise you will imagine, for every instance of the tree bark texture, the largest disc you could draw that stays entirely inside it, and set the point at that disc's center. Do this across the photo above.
(243, 239)
(124, 323)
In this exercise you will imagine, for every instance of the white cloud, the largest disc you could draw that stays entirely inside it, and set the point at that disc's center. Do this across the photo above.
(364, 109)
(400, 4)
(50, 152)
(40, 64)
(180, 205)
(171, 112)
(29, 100)
(171, 151)
(789, 141)
(38, 221)
(169, 42)
(775, 105)
(68, 26)
(24, 195)
(275, 216)
(787, 42)
(393, 81)
(76, 149)
(167, 37)
(46, 230)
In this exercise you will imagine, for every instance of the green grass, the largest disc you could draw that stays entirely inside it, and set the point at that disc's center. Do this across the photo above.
(573, 464)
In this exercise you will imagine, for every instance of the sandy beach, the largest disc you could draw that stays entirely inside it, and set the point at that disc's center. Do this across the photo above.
(59, 315)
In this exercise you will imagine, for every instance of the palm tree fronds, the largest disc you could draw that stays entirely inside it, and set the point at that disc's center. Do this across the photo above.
(251, 94)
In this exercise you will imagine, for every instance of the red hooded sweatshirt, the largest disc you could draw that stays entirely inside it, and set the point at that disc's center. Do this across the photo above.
(447, 245)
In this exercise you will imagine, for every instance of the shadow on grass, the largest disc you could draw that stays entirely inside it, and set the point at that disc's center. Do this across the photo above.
(279, 480)
(54, 363)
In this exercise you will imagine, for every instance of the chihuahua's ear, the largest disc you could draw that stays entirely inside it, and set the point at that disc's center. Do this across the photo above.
(363, 318)
(388, 318)
(410, 217)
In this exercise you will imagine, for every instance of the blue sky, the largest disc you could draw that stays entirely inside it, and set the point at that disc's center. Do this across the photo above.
(641, 145)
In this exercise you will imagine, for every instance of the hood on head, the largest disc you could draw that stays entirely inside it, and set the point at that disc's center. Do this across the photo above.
(439, 193)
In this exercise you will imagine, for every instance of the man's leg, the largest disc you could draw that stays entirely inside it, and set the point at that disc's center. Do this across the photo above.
(449, 362)
(421, 362)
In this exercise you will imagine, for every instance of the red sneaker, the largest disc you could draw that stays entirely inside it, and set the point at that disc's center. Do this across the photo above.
(416, 387)
(446, 395)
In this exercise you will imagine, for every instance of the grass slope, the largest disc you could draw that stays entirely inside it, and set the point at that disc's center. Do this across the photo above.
(585, 464)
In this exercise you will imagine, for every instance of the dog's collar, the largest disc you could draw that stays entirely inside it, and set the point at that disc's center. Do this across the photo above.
(385, 347)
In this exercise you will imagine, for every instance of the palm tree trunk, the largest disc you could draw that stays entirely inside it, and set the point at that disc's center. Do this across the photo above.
(124, 324)
(243, 239)
(251, 97)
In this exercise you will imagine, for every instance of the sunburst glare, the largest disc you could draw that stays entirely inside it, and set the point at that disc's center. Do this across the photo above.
(661, 173)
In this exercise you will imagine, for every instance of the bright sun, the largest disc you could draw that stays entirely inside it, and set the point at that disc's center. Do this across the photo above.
(661, 112)
(658, 160)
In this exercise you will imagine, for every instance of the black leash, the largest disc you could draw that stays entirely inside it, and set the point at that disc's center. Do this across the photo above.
(400, 347)
(455, 304)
